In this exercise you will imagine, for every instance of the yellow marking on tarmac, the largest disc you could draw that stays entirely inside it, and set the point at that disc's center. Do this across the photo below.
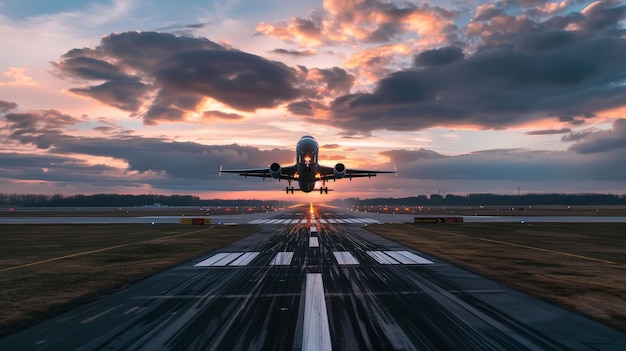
(98, 250)
(529, 247)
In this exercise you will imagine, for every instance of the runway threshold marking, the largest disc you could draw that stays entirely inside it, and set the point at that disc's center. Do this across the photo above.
(529, 247)
(282, 259)
(398, 257)
(316, 331)
(345, 258)
(228, 259)
(99, 250)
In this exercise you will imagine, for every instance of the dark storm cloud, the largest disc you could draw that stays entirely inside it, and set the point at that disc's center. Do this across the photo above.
(551, 74)
(168, 76)
(603, 15)
(438, 57)
(155, 161)
(39, 128)
(601, 141)
(301, 108)
(508, 165)
(295, 53)
(221, 115)
(243, 81)
(6, 106)
(549, 131)
(124, 94)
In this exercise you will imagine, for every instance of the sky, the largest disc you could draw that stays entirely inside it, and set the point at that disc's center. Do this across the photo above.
(144, 96)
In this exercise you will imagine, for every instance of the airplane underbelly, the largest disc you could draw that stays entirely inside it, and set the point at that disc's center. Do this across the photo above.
(306, 186)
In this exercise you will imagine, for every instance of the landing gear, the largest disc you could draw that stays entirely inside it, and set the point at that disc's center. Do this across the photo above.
(323, 188)
(289, 188)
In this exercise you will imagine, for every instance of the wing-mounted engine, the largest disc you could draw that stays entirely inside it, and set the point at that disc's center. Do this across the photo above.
(339, 171)
(275, 170)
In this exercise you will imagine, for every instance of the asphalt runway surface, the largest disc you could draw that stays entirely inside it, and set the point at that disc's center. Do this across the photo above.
(318, 283)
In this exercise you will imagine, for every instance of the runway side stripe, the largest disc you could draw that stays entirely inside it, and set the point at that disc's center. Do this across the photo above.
(316, 331)
(244, 259)
(406, 257)
(282, 259)
(314, 242)
(345, 258)
(381, 257)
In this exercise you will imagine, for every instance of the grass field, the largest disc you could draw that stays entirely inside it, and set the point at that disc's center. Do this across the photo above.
(44, 268)
(581, 266)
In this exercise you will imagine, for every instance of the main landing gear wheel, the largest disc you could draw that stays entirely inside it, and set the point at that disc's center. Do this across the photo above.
(324, 190)
(288, 189)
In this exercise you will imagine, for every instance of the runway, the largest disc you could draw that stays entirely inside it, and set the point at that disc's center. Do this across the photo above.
(316, 281)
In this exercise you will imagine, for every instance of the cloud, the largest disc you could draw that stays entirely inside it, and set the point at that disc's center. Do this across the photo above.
(519, 165)
(441, 56)
(600, 141)
(367, 21)
(144, 159)
(551, 74)
(17, 77)
(549, 131)
(295, 53)
(164, 77)
(210, 115)
(6, 106)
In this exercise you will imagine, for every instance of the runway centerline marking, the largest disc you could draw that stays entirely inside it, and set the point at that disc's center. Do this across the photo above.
(100, 250)
(314, 242)
(316, 331)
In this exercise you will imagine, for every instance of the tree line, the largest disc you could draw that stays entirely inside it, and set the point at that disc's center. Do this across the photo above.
(122, 200)
(491, 200)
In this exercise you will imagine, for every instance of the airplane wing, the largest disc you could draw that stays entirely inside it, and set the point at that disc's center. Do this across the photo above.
(328, 173)
(286, 173)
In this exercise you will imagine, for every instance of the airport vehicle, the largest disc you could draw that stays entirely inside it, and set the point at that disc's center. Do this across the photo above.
(307, 171)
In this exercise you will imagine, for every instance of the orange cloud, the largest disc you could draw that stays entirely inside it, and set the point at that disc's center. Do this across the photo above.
(17, 77)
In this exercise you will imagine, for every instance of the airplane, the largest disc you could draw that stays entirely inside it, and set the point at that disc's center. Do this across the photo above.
(307, 171)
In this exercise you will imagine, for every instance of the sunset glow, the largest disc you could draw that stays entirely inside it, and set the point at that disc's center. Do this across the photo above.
(111, 96)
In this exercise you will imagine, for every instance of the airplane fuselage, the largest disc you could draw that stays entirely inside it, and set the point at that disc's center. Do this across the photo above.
(307, 152)
(307, 171)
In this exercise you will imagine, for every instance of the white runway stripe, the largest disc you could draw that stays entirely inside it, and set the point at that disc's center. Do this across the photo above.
(244, 259)
(381, 257)
(316, 330)
(321, 220)
(344, 257)
(314, 242)
(220, 259)
(406, 257)
(398, 257)
(282, 259)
